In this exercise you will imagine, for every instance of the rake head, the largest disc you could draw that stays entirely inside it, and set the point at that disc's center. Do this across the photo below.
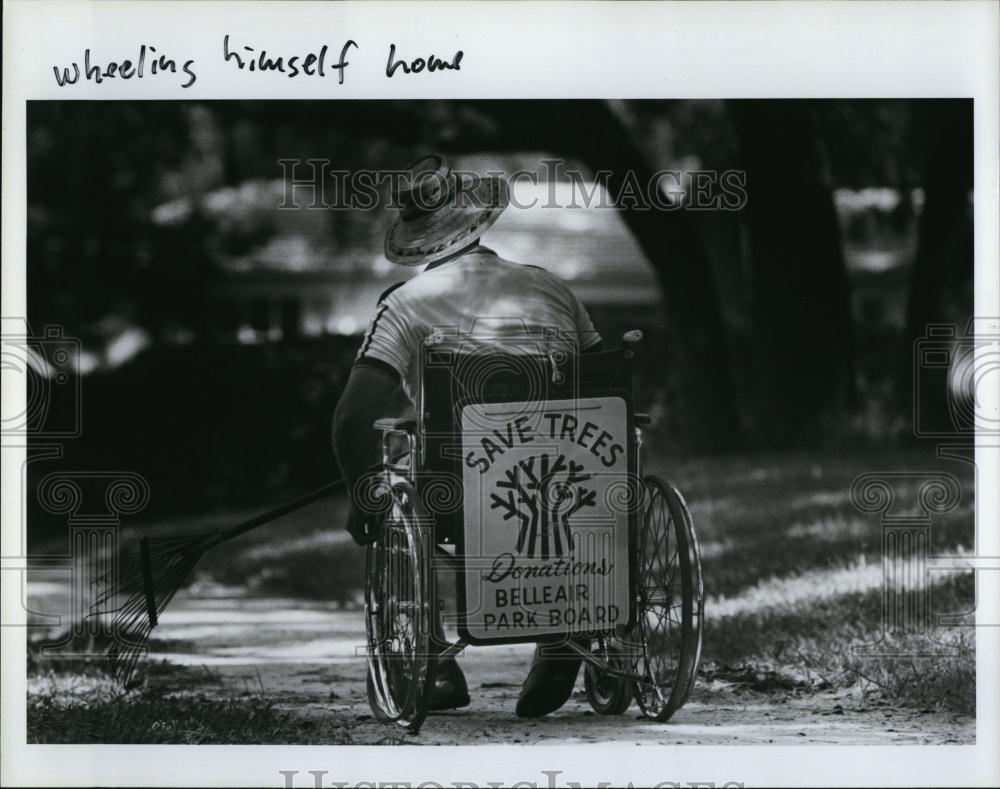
(146, 584)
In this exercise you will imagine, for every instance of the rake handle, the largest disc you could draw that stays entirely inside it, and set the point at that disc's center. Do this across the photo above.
(266, 517)
(147, 581)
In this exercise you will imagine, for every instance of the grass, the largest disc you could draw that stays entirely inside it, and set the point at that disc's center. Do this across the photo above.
(75, 700)
(943, 682)
(792, 573)
(152, 719)
(824, 643)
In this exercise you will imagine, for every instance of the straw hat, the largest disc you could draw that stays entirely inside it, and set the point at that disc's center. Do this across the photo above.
(441, 211)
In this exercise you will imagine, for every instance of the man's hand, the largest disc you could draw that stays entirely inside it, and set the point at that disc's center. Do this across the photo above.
(366, 527)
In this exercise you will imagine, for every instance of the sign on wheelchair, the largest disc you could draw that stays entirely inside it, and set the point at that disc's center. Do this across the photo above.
(546, 535)
(522, 476)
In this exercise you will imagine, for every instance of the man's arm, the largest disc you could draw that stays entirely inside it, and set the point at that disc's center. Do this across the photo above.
(367, 397)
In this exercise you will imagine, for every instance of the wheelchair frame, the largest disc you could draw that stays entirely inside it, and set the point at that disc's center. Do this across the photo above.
(400, 686)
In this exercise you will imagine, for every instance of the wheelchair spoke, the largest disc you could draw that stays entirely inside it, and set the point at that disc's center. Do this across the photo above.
(396, 596)
(664, 618)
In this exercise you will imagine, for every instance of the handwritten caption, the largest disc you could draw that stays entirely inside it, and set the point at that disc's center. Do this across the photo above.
(149, 62)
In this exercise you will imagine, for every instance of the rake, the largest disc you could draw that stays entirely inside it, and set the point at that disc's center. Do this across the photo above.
(149, 580)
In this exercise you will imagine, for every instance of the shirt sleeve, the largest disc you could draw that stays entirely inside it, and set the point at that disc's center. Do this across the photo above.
(588, 335)
(389, 343)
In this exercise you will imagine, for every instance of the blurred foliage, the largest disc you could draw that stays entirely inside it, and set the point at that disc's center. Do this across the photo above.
(97, 169)
(874, 142)
(96, 172)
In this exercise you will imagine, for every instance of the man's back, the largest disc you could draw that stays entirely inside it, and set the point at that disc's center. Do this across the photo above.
(484, 299)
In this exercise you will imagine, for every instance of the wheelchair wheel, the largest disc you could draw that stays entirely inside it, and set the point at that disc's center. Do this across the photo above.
(607, 694)
(398, 614)
(670, 602)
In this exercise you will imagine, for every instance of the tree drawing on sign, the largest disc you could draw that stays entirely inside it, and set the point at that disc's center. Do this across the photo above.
(543, 492)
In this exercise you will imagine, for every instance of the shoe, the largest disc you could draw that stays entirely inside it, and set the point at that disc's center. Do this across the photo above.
(450, 691)
(550, 679)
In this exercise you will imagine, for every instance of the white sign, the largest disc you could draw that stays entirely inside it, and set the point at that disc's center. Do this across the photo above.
(546, 516)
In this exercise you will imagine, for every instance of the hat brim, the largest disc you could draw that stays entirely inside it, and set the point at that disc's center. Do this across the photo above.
(442, 232)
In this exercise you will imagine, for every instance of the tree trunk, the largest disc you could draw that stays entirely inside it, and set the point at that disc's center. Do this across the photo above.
(944, 259)
(801, 313)
(671, 243)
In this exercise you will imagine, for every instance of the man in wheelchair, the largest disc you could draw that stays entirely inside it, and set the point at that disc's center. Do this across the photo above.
(469, 289)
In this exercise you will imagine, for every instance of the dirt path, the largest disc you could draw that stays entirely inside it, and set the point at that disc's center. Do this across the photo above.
(307, 660)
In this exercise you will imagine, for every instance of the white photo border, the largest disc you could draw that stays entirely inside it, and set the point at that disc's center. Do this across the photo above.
(517, 50)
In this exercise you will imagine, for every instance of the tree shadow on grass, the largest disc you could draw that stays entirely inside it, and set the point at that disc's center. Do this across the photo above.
(822, 643)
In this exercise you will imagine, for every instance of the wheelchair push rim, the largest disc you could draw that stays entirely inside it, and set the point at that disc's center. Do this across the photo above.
(670, 602)
(398, 615)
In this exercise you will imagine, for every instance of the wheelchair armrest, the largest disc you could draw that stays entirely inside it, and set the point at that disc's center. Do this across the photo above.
(391, 424)
(643, 419)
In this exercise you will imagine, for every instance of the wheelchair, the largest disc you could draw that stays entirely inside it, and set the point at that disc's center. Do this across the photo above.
(522, 475)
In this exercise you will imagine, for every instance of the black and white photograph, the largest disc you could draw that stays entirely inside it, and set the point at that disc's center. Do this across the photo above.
(576, 421)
